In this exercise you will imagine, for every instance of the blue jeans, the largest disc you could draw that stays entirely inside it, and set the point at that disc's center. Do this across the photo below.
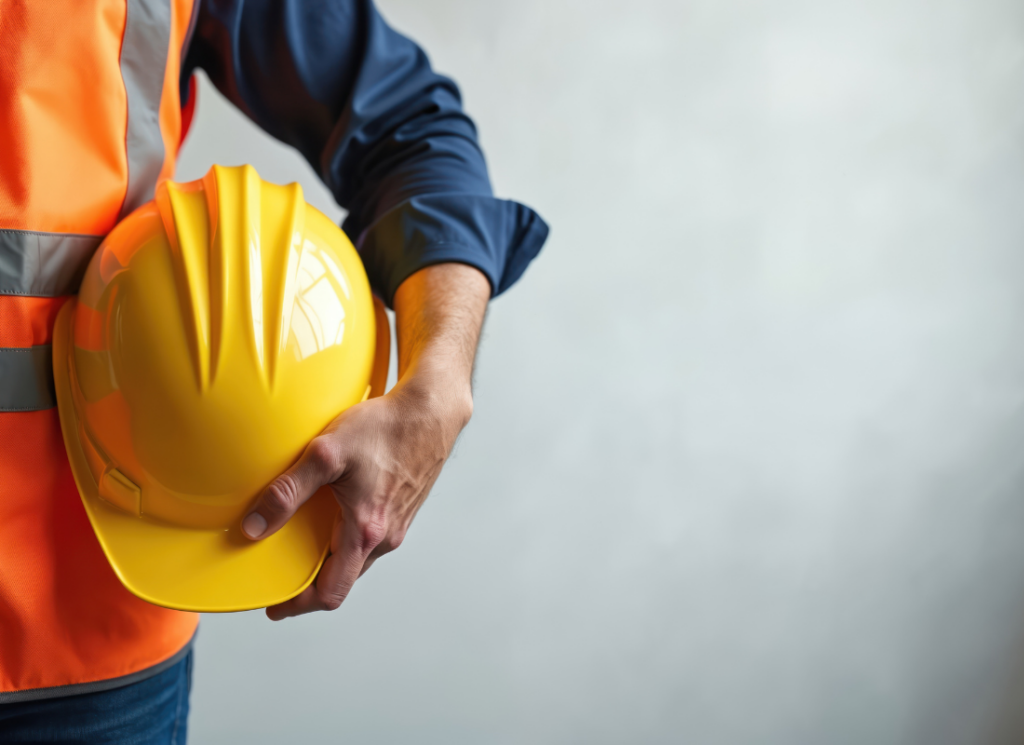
(153, 711)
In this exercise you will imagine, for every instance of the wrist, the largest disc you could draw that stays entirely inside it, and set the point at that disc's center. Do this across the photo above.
(439, 311)
(432, 385)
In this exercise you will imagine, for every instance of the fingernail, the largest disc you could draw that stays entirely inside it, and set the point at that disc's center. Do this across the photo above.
(254, 525)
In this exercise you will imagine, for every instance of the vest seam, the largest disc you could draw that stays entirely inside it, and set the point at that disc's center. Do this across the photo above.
(127, 113)
(49, 232)
(29, 293)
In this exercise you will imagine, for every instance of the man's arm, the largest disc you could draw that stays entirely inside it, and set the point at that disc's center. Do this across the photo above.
(383, 130)
(389, 137)
(382, 456)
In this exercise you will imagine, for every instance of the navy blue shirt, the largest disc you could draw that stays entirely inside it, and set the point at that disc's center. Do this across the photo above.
(387, 134)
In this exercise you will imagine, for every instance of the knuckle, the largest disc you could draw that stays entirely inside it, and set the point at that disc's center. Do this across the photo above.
(282, 496)
(330, 600)
(372, 532)
(324, 454)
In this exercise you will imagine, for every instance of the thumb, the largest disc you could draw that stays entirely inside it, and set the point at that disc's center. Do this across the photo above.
(319, 464)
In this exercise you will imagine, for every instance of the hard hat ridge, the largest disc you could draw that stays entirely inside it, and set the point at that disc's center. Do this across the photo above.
(226, 241)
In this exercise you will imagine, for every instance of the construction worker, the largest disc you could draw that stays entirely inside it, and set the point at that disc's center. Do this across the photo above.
(95, 99)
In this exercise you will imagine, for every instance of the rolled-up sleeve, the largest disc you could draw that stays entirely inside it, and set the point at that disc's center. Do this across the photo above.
(387, 134)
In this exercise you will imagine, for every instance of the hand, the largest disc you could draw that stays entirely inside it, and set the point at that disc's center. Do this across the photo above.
(382, 457)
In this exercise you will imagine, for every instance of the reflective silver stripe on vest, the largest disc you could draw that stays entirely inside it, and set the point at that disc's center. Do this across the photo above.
(43, 264)
(26, 379)
(147, 38)
(52, 264)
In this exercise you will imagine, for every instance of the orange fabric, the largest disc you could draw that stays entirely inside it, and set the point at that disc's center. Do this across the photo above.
(63, 111)
(64, 616)
(27, 321)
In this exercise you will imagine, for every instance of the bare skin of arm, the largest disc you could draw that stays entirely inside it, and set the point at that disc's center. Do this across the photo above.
(382, 457)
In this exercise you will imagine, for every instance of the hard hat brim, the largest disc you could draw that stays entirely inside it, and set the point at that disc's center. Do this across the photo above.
(191, 569)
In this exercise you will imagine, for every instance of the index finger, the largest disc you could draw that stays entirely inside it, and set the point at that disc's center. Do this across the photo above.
(319, 464)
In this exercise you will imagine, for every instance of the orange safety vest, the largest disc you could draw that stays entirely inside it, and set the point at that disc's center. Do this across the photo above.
(90, 122)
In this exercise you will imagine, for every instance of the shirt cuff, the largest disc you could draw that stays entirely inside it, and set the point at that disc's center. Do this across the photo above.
(497, 236)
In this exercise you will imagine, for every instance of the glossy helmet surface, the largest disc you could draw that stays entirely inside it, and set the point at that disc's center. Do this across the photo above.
(219, 328)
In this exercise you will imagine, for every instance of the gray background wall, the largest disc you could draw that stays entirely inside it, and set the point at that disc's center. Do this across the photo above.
(748, 453)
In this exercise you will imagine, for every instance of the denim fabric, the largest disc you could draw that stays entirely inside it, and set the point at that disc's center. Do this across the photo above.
(153, 711)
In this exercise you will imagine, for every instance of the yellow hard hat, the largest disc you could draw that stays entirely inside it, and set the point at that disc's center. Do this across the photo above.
(218, 330)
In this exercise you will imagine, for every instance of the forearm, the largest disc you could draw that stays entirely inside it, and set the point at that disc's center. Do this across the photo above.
(439, 312)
